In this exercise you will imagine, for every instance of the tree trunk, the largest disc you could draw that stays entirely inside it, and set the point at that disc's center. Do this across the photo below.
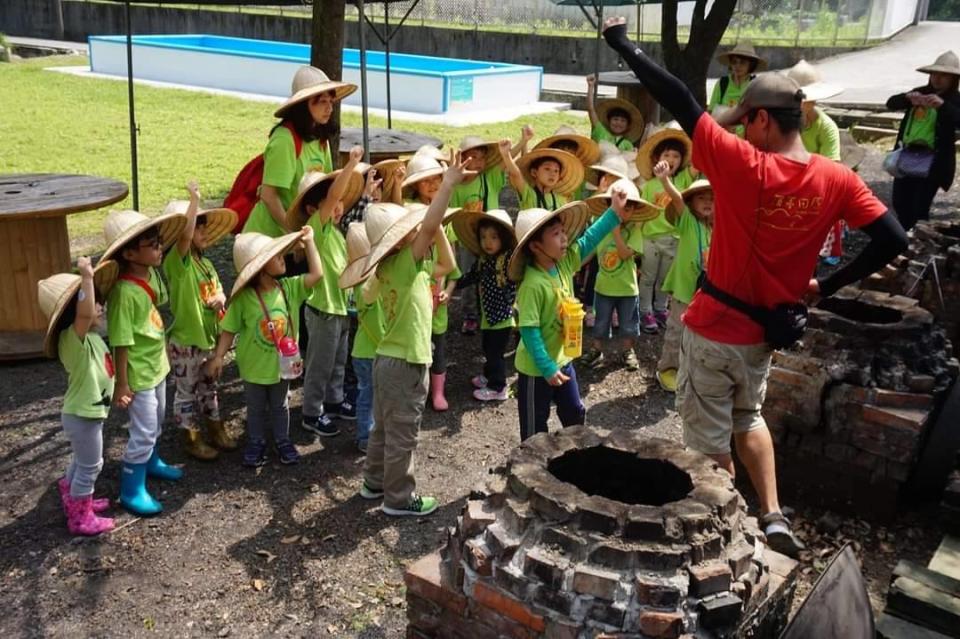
(691, 63)
(326, 51)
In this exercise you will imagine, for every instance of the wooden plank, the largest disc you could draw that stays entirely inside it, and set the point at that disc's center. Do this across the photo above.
(946, 560)
(35, 195)
(927, 577)
(925, 605)
(20, 345)
(890, 627)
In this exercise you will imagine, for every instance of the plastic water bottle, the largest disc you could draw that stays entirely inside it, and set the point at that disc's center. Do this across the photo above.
(291, 364)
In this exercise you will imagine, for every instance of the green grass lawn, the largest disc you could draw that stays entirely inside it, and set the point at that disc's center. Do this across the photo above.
(57, 123)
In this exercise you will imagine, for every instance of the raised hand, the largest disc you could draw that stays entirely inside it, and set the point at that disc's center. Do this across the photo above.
(613, 22)
(194, 189)
(661, 169)
(306, 233)
(85, 267)
(356, 154)
(618, 202)
(526, 133)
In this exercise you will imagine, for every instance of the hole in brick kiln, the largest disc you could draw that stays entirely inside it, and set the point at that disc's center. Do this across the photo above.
(861, 311)
(622, 476)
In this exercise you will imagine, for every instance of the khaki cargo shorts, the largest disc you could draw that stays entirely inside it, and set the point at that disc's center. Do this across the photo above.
(720, 390)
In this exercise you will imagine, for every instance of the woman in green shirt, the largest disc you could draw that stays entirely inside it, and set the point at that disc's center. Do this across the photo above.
(298, 143)
(933, 114)
(742, 62)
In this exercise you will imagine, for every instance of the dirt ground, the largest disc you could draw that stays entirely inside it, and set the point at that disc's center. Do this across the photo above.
(293, 551)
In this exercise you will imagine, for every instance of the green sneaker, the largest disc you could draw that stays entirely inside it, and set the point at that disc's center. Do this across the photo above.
(418, 507)
(370, 493)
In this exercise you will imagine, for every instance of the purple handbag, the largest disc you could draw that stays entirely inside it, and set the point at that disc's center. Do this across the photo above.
(915, 161)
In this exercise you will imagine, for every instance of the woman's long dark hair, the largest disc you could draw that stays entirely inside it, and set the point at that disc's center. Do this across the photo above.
(306, 127)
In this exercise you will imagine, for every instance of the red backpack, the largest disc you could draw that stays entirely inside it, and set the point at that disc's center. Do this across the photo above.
(245, 192)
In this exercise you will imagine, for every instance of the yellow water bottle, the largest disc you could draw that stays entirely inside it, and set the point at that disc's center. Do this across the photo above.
(572, 327)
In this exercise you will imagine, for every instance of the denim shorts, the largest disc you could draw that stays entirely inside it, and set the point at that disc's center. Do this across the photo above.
(628, 314)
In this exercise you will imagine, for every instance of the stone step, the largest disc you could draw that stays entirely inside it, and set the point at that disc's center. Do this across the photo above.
(927, 577)
(920, 603)
(890, 627)
(871, 133)
(946, 560)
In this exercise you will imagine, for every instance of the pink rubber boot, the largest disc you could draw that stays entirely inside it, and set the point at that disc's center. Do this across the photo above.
(99, 504)
(82, 521)
(437, 398)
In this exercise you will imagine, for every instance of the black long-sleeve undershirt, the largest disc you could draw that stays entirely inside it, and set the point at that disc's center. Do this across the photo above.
(667, 89)
(887, 240)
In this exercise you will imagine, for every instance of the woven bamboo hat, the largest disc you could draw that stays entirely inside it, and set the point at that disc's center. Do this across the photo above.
(490, 148)
(420, 167)
(571, 170)
(122, 226)
(698, 186)
(588, 151)
(573, 216)
(612, 164)
(55, 293)
(310, 81)
(312, 180)
(252, 251)
(219, 222)
(946, 62)
(386, 171)
(645, 211)
(358, 248)
(465, 224)
(744, 50)
(386, 225)
(431, 151)
(671, 131)
(635, 130)
(808, 77)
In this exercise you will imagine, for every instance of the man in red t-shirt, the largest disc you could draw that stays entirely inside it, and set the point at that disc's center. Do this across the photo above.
(774, 205)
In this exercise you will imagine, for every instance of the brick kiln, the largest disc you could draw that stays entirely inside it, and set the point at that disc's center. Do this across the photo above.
(588, 533)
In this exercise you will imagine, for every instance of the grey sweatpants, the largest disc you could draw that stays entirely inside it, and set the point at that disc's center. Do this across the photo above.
(268, 405)
(326, 360)
(86, 444)
(146, 422)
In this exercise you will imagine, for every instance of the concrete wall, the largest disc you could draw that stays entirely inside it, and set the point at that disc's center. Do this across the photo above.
(36, 18)
(556, 54)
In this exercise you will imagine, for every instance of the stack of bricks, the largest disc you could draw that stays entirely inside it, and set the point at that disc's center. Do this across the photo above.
(590, 533)
(850, 407)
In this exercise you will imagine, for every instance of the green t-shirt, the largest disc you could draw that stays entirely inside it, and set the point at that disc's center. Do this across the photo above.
(921, 127)
(134, 321)
(257, 356)
(538, 299)
(600, 133)
(482, 193)
(653, 192)
(193, 281)
(617, 277)
(822, 136)
(89, 374)
(548, 201)
(730, 97)
(327, 295)
(407, 307)
(282, 169)
(681, 280)
(441, 314)
(369, 326)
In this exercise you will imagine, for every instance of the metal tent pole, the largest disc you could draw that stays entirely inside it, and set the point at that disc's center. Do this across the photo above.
(134, 170)
(363, 82)
(596, 55)
(386, 45)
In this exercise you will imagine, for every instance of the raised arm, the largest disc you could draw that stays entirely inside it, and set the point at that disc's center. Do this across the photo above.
(445, 260)
(520, 148)
(670, 92)
(86, 299)
(672, 212)
(186, 238)
(453, 176)
(339, 186)
(510, 166)
(591, 103)
(315, 267)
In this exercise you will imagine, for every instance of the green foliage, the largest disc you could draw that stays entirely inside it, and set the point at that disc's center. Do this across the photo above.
(944, 10)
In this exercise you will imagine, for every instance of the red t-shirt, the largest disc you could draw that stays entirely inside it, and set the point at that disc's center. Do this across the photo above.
(771, 215)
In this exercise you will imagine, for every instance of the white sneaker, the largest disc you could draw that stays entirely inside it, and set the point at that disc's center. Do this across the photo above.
(490, 395)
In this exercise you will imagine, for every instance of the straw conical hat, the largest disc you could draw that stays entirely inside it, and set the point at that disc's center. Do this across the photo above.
(698, 186)
(386, 225)
(386, 171)
(604, 107)
(571, 171)
(311, 180)
(252, 251)
(613, 164)
(122, 226)
(310, 81)
(219, 222)
(56, 292)
(420, 167)
(743, 50)
(573, 215)
(587, 151)
(465, 224)
(644, 212)
(946, 62)
(433, 152)
(808, 78)
(491, 149)
(358, 248)
(671, 131)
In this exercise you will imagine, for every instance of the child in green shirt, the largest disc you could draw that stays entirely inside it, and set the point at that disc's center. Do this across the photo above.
(614, 120)
(692, 213)
(263, 314)
(197, 302)
(72, 305)
(401, 244)
(137, 337)
(544, 178)
(544, 263)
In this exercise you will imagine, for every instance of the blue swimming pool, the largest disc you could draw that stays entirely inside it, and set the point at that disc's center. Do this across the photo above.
(419, 84)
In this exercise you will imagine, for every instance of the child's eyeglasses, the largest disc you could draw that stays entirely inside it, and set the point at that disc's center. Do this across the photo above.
(154, 243)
